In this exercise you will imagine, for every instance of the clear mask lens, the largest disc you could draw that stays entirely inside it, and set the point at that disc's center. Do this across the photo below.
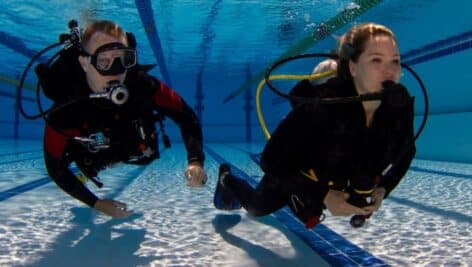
(105, 59)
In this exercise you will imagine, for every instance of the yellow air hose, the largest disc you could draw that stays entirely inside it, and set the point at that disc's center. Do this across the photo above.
(280, 77)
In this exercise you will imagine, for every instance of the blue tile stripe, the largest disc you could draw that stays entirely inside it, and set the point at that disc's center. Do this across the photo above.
(333, 248)
(441, 173)
(447, 215)
(16, 44)
(438, 45)
(146, 14)
(440, 53)
(4, 195)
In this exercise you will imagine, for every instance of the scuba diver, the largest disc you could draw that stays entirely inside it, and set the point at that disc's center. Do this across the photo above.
(105, 107)
(345, 157)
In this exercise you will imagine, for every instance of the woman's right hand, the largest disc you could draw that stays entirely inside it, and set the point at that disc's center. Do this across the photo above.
(336, 202)
(112, 208)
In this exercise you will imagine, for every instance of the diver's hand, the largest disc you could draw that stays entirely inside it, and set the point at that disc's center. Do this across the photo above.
(377, 197)
(195, 174)
(336, 202)
(112, 208)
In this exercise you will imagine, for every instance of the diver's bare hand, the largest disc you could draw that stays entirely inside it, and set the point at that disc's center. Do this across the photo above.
(336, 202)
(195, 174)
(112, 208)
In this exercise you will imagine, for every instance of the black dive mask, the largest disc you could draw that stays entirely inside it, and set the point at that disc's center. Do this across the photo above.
(112, 59)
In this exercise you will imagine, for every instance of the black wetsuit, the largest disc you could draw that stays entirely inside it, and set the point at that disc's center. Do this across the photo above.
(129, 129)
(332, 145)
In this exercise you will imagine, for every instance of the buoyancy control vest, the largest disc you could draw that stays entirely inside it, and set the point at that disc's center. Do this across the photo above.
(132, 138)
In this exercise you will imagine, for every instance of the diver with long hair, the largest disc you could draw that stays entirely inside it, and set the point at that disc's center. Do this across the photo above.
(336, 156)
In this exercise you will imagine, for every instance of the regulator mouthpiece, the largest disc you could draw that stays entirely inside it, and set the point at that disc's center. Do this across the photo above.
(115, 92)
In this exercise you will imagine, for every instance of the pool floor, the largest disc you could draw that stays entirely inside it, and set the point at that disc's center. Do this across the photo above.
(426, 221)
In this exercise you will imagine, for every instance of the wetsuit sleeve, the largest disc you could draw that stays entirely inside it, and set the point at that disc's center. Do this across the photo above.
(55, 150)
(391, 180)
(403, 146)
(170, 104)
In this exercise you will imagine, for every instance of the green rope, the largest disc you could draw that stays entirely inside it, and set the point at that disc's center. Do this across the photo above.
(335, 23)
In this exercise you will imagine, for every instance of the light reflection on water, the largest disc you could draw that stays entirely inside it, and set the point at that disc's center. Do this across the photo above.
(425, 222)
(173, 225)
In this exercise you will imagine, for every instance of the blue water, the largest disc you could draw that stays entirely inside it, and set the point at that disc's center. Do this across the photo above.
(425, 222)
(227, 43)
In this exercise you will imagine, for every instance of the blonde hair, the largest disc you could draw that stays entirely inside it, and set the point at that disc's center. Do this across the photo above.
(105, 26)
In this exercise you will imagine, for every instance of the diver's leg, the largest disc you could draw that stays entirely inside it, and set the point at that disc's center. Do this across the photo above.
(266, 198)
(224, 198)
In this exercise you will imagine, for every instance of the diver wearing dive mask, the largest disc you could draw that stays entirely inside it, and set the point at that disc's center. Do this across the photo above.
(105, 62)
(95, 134)
(112, 59)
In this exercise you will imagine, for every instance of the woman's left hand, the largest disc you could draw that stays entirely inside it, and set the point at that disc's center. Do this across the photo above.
(377, 197)
(195, 174)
